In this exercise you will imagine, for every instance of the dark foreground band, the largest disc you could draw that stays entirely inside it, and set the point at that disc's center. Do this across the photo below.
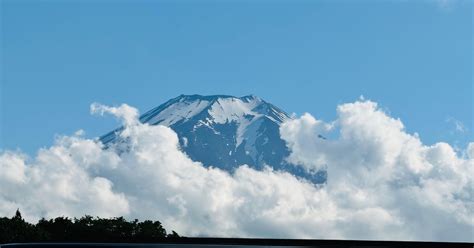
(253, 243)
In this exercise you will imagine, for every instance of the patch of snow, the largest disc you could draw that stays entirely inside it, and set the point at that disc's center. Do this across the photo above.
(226, 110)
(251, 135)
(185, 141)
(178, 111)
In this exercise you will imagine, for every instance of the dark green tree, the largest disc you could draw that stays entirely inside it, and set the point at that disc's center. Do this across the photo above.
(84, 229)
(16, 229)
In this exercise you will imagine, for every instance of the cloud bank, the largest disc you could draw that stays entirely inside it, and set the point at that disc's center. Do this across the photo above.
(383, 183)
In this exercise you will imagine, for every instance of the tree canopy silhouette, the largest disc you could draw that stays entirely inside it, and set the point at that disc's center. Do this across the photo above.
(84, 229)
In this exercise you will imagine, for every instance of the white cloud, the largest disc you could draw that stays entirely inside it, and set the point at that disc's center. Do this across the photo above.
(128, 115)
(374, 163)
(383, 183)
(57, 182)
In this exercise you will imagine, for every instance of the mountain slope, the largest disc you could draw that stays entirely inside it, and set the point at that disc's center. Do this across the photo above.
(226, 131)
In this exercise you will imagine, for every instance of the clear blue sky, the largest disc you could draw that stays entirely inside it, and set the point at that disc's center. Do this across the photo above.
(413, 57)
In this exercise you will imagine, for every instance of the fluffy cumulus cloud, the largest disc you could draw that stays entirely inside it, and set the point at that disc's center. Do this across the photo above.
(381, 174)
(383, 183)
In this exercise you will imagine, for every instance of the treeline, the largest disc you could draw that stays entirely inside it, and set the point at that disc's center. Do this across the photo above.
(85, 229)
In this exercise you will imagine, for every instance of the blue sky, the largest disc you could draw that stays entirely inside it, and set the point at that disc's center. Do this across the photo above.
(412, 57)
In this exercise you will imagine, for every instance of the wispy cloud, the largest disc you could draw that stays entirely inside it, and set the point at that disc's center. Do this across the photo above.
(458, 125)
(448, 5)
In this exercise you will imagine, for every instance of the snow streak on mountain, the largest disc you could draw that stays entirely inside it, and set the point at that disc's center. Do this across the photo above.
(225, 132)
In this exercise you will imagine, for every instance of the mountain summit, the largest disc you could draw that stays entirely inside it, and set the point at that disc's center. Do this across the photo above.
(226, 131)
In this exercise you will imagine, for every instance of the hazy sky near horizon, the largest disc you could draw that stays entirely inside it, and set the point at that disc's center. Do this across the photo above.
(57, 57)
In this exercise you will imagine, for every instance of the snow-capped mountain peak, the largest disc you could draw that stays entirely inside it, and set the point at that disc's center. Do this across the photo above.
(226, 131)
(221, 108)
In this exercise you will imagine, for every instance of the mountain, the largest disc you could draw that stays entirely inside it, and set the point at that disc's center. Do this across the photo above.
(226, 131)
